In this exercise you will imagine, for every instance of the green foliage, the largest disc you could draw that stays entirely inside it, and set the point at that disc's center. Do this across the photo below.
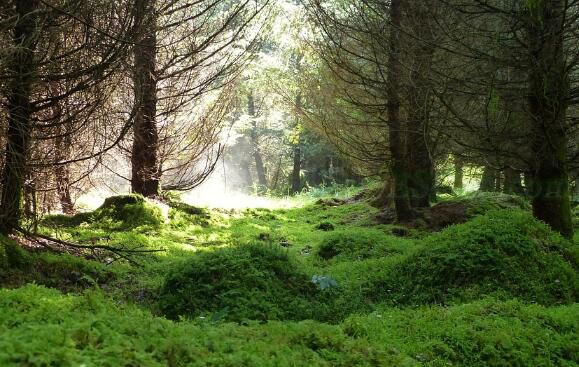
(507, 253)
(250, 282)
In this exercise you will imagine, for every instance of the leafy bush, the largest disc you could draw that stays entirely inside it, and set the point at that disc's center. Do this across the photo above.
(356, 245)
(12, 256)
(249, 282)
(507, 253)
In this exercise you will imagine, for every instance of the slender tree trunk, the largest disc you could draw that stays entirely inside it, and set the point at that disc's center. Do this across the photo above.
(296, 182)
(458, 173)
(259, 167)
(498, 181)
(548, 95)
(30, 199)
(21, 64)
(275, 180)
(144, 161)
(62, 146)
(488, 180)
(512, 183)
(399, 175)
(419, 162)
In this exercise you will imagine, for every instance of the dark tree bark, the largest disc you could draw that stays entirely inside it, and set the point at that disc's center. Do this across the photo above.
(488, 180)
(259, 166)
(547, 103)
(144, 160)
(385, 198)
(400, 177)
(296, 182)
(419, 160)
(21, 63)
(512, 183)
(62, 175)
(458, 173)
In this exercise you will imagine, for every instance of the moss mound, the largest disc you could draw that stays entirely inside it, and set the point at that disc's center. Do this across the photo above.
(461, 209)
(506, 253)
(12, 256)
(131, 210)
(355, 245)
(127, 211)
(253, 282)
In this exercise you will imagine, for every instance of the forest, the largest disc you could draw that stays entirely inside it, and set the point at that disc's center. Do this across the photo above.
(289, 183)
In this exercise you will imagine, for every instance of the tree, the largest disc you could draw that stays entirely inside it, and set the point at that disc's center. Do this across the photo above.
(41, 57)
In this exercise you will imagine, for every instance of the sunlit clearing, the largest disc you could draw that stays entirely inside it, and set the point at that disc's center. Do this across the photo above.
(214, 193)
(216, 198)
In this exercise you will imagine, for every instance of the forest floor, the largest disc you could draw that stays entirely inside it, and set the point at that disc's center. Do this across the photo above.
(321, 283)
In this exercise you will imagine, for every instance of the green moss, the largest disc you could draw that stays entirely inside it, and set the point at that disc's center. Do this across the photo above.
(12, 256)
(507, 253)
(254, 282)
(41, 327)
(357, 245)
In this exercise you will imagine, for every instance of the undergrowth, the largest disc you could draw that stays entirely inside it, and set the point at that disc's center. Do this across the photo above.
(466, 296)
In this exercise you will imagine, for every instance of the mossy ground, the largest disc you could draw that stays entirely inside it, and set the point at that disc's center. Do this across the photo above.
(240, 281)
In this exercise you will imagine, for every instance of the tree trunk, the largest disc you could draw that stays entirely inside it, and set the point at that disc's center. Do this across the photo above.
(275, 180)
(513, 184)
(458, 173)
(488, 180)
(144, 161)
(547, 103)
(386, 195)
(400, 177)
(259, 167)
(62, 146)
(21, 64)
(296, 181)
(498, 181)
(421, 175)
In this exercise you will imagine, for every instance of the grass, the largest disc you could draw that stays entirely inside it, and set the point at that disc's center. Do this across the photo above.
(312, 285)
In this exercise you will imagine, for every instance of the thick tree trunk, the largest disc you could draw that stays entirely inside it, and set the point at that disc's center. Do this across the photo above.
(259, 166)
(458, 173)
(548, 94)
(385, 198)
(21, 64)
(418, 160)
(296, 181)
(513, 184)
(144, 162)
(404, 211)
(488, 180)
(421, 175)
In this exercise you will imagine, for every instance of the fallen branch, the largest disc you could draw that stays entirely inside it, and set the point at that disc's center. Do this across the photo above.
(123, 253)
